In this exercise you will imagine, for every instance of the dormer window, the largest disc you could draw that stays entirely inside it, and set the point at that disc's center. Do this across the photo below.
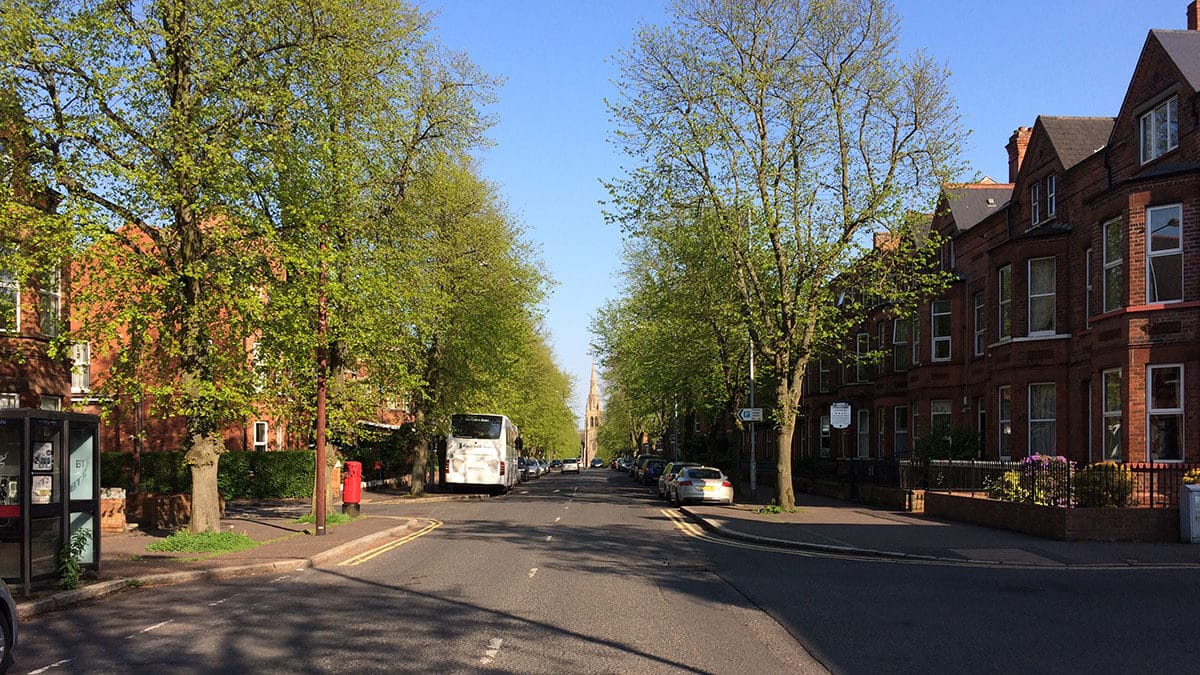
(1043, 199)
(1160, 130)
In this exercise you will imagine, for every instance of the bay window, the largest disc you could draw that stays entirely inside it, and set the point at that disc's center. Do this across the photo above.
(1164, 253)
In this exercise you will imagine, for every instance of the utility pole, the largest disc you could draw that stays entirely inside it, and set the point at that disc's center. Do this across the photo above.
(753, 459)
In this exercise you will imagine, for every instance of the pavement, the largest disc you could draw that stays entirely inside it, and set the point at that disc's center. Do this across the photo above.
(819, 525)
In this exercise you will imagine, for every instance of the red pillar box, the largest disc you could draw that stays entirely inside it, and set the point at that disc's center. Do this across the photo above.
(352, 488)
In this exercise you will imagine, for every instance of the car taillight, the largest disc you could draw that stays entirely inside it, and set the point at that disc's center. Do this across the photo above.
(726, 483)
(684, 482)
(501, 468)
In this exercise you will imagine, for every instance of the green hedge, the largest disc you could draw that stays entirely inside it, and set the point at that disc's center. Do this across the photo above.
(240, 475)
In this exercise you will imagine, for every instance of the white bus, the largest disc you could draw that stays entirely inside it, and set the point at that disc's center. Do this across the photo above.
(482, 451)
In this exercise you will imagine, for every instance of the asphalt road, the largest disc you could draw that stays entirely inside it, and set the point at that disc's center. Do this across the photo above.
(590, 574)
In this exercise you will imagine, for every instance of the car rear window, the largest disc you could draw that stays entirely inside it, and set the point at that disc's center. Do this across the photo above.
(656, 465)
(704, 473)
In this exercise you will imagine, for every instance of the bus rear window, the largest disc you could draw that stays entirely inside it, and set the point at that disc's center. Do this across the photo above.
(475, 426)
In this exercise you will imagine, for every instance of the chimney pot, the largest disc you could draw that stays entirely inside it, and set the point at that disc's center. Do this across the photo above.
(1193, 16)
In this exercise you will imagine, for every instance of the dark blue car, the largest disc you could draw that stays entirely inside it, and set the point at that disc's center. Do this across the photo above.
(652, 471)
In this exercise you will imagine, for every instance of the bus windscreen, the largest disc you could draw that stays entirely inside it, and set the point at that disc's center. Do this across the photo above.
(476, 426)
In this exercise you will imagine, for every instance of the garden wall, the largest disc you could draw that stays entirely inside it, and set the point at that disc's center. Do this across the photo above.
(1111, 524)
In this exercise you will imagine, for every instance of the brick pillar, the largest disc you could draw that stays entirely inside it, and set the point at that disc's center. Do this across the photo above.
(1193, 16)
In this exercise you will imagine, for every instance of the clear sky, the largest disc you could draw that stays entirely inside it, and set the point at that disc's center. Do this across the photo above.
(1010, 61)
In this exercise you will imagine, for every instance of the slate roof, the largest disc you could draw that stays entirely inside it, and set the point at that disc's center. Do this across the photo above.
(1076, 138)
(1183, 46)
(971, 203)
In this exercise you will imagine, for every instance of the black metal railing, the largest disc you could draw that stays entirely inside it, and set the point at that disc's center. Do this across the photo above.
(1049, 481)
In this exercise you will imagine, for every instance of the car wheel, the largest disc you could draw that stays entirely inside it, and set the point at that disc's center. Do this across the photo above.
(6, 655)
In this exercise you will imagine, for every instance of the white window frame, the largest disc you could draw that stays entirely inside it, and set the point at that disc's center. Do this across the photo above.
(941, 415)
(823, 383)
(881, 430)
(901, 332)
(1114, 262)
(1153, 411)
(1087, 287)
(1051, 195)
(862, 347)
(1152, 294)
(863, 429)
(50, 403)
(1004, 302)
(1042, 297)
(1149, 127)
(261, 431)
(825, 447)
(1004, 421)
(900, 443)
(1035, 204)
(9, 400)
(81, 367)
(937, 340)
(980, 324)
(1112, 408)
(980, 423)
(50, 306)
(9, 284)
(1042, 422)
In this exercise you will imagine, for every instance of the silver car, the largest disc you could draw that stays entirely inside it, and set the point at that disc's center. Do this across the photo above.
(570, 465)
(669, 473)
(701, 484)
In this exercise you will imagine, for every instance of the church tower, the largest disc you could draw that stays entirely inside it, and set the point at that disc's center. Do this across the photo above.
(591, 424)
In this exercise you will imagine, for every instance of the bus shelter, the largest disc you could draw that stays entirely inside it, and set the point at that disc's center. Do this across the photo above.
(49, 489)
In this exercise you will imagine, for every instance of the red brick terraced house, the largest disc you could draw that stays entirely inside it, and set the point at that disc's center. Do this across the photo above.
(1072, 325)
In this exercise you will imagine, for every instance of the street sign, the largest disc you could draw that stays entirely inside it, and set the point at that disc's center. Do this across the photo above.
(839, 414)
(750, 414)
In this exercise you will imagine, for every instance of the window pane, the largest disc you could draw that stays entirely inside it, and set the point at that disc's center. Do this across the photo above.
(1112, 439)
(1166, 437)
(1172, 124)
(1041, 438)
(1041, 314)
(1164, 228)
(1041, 401)
(1114, 288)
(1112, 390)
(1164, 389)
(1112, 241)
(1041, 276)
(1147, 137)
(1166, 278)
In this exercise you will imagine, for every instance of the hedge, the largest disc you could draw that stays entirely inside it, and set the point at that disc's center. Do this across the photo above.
(240, 474)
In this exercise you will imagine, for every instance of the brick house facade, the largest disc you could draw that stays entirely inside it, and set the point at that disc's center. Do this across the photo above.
(1072, 326)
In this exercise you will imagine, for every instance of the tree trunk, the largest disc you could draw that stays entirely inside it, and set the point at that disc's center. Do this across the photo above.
(785, 494)
(206, 502)
(420, 457)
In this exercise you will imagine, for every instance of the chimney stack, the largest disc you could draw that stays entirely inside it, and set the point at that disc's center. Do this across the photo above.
(1193, 16)
(1016, 150)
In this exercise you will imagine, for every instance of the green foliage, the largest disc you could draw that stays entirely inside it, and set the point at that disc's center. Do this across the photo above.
(952, 443)
(240, 475)
(69, 569)
(204, 542)
(332, 518)
(773, 508)
(1104, 484)
(1008, 487)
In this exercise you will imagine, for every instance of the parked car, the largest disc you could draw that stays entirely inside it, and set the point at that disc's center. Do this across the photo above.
(570, 465)
(8, 627)
(529, 468)
(639, 464)
(701, 484)
(669, 472)
(651, 470)
(556, 463)
(597, 463)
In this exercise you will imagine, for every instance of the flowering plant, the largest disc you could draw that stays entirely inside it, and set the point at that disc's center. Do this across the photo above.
(1192, 477)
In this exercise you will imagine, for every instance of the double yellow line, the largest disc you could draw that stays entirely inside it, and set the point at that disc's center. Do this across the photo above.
(380, 550)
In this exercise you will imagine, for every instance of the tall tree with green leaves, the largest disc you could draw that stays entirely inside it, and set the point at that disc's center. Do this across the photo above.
(800, 132)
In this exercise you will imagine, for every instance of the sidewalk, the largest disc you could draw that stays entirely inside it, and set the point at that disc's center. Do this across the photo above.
(835, 526)
(285, 546)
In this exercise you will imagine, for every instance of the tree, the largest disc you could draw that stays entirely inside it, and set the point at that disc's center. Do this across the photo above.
(800, 133)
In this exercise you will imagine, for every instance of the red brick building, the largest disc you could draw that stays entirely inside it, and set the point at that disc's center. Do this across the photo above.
(1072, 326)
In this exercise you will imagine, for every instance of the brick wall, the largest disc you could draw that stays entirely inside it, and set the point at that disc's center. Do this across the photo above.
(1056, 523)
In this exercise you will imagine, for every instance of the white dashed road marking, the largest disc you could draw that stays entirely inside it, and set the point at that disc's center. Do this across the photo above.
(50, 667)
(148, 629)
(532, 572)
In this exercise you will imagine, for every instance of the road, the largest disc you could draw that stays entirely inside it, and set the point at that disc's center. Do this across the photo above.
(589, 574)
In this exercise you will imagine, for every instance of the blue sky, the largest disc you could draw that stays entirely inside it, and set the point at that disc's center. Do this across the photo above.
(1009, 62)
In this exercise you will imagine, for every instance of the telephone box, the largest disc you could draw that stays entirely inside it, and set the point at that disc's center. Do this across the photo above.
(49, 490)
